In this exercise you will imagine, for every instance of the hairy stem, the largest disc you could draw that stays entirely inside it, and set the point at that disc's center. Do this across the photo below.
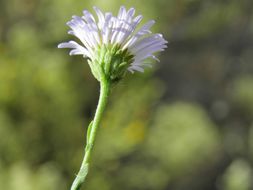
(91, 134)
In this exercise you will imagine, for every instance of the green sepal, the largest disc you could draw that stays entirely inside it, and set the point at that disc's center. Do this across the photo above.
(107, 60)
(101, 54)
(94, 69)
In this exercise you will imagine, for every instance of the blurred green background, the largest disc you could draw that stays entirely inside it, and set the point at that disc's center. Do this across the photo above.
(186, 124)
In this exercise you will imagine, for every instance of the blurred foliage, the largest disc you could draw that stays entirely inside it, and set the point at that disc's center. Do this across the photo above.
(238, 176)
(187, 124)
(179, 125)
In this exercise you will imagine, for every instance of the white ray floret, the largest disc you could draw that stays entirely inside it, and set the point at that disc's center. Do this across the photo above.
(112, 30)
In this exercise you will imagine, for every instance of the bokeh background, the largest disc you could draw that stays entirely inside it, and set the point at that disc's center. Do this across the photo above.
(186, 124)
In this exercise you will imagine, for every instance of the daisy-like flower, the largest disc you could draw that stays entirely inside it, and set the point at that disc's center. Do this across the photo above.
(114, 44)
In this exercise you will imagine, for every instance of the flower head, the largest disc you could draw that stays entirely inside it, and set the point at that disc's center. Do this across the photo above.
(114, 44)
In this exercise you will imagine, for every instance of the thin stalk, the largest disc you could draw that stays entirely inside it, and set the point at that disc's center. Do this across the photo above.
(92, 131)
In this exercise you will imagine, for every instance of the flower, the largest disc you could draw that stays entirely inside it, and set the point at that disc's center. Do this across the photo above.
(114, 44)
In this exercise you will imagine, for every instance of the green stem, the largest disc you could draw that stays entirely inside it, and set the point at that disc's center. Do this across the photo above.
(103, 98)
